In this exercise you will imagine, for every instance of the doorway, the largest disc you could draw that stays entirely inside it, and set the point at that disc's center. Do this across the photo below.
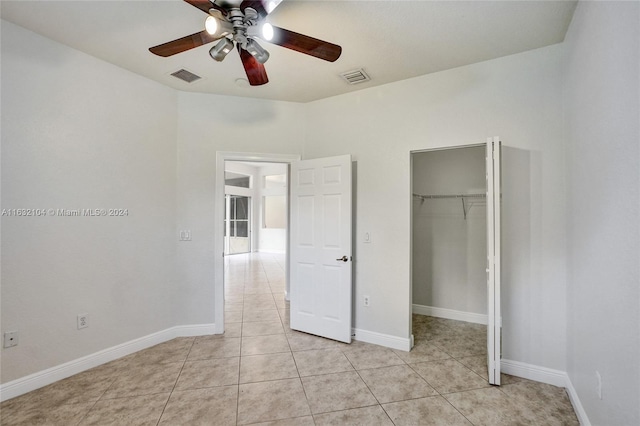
(449, 234)
(320, 193)
(455, 238)
(264, 222)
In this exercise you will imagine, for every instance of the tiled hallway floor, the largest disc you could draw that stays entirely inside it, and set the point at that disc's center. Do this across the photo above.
(262, 372)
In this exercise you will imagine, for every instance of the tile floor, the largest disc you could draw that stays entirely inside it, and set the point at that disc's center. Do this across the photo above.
(262, 372)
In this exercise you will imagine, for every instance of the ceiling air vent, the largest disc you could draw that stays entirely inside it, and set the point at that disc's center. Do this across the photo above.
(185, 75)
(355, 76)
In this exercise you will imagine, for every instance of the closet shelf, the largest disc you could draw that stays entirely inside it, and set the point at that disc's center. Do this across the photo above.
(425, 197)
(480, 199)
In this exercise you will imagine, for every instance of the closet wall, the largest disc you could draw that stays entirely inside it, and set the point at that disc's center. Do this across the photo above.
(449, 250)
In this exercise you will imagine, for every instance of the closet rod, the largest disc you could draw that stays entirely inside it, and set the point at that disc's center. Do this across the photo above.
(425, 197)
(461, 197)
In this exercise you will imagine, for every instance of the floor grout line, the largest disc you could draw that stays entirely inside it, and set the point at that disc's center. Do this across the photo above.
(176, 382)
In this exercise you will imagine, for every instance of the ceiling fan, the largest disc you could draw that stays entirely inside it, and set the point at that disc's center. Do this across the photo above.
(241, 22)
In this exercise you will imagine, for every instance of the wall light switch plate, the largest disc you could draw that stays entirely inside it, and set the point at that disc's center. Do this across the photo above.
(367, 237)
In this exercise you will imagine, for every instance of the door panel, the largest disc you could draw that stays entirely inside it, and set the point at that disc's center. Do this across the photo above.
(331, 234)
(305, 219)
(493, 259)
(320, 236)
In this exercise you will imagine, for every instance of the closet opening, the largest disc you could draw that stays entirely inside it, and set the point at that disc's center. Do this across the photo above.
(449, 254)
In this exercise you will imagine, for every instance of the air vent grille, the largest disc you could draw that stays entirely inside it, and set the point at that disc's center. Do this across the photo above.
(355, 76)
(185, 75)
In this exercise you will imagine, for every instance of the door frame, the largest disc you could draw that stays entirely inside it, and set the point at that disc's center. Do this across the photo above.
(218, 243)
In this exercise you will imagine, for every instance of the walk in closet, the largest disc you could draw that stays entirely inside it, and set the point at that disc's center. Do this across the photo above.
(449, 235)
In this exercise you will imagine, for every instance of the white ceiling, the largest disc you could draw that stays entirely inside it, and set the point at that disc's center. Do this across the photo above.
(391, 40)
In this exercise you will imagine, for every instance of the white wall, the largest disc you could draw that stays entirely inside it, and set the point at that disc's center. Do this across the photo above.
(272, 240)
(450, 250)
(602, 114)
(210, 123)
(78, 133)
(516, 97)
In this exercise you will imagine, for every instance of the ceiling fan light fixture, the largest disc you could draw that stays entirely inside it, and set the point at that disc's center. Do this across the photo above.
(221, 49)
(257, 51)
(267, 31)
(217, 27)
(211, 25)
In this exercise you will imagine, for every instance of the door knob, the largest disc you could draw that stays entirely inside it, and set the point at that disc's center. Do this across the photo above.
(343, 258)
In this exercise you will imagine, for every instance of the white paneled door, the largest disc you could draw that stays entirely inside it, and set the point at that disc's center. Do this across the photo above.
(494, 323)
(320, 232)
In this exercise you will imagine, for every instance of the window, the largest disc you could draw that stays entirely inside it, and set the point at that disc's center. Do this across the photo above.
(237, 179)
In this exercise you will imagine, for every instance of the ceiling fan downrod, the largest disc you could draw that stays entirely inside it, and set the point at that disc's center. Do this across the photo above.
(240, 22)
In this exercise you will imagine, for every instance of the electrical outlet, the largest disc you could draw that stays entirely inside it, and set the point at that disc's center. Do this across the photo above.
(83, 321)
(599, 384)
(366, 301)
(10, 339)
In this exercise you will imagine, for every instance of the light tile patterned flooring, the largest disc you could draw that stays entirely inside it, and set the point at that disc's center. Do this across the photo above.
(262, 372)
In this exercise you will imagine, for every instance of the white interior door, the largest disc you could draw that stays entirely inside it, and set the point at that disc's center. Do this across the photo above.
(494, 322)
(320, 266)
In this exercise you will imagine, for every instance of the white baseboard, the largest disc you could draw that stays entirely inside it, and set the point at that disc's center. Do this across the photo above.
(46, 377)
(450, 314)
(194, 330)
(386, 340)
(577, 405)
(549, 376)
(534, 372)
(272, 251)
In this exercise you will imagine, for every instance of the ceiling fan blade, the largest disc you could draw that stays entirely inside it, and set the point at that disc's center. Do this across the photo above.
(183, 44)
(205, 5)
(305, 44)
(256, 73)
